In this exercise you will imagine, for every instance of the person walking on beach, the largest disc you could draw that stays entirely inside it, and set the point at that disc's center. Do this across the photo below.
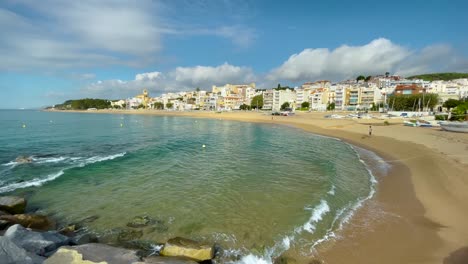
(370, 131)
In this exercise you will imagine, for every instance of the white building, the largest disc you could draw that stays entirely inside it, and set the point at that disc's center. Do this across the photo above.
(282, 96)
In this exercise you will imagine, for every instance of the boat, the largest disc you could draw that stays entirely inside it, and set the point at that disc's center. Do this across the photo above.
(408, 123)
(455, 126)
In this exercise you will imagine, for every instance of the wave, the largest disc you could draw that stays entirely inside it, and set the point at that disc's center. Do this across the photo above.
(342, 217)
(39, 181)
(48, 160)
(31, 183)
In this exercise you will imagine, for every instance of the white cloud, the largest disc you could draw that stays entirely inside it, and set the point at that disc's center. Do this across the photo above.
(205, 76)
(55, 34)
(377, 57)
(180, 79)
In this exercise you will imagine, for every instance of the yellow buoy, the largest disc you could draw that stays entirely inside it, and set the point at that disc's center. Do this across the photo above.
(24, 126)
(121, 125)
(203, 146)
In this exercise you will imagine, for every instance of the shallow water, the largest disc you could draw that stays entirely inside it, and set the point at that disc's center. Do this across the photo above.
(256, 189)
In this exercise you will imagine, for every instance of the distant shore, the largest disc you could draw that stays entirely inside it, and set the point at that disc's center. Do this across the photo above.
(420, 211)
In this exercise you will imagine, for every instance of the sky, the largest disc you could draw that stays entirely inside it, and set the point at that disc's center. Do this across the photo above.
(52, 50)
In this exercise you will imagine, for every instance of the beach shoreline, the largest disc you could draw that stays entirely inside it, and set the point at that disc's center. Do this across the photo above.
(424, 192)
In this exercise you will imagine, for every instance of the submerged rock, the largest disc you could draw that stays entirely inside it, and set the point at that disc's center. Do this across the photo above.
(23, 159)
(181, 247)
(12, 204)
(33, 221)
(84, 238)
(284, 260)
(35, 242)
(117, 236)
(140, 221)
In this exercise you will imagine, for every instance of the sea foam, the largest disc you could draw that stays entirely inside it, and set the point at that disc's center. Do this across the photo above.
(77, 162)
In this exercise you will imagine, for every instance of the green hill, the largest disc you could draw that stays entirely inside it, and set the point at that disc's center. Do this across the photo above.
(445, 76)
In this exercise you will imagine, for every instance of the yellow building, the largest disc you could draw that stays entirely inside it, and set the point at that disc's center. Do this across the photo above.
(144, 98)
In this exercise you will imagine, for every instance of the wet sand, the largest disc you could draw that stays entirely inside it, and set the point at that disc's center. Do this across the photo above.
(419, 213)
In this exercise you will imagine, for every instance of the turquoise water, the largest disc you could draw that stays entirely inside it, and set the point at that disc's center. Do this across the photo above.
(255, 189)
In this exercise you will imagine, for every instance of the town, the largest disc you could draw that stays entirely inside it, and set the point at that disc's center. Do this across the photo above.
(373, 93)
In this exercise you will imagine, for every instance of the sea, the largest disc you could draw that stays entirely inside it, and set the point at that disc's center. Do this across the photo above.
(255, 190)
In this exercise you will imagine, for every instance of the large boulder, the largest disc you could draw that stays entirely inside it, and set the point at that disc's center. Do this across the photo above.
(39, 222)
(69, 256)
(181, 247)
(104, 253)
(168, 260)
(12, 204)
(35, 242)
(10, 253)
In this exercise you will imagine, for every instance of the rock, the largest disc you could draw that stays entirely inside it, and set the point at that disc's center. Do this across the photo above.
(181, 247)
(144, 248)
(10, 253)
(12, 204)
(68, 256)
(140, 221)
(129, 235)
(4, 213)
(68, 231)
(284, 260)
(35, 242)
(33, 221)
(118, 236)
(168, 260)
(84, 238)
(23, 159)
(104, 253)
(4, 224)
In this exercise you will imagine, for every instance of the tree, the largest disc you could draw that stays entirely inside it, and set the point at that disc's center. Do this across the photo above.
(360, 77)
(169, 105)
(279, 86)
(284, 106)
(368, 78)
(387, 74)
(305, 105)
(459, 112)
(244, 107)
(451, 103)
(158, 105)
(412, 102)
(198, 89)
(257, 101)
(331, 107)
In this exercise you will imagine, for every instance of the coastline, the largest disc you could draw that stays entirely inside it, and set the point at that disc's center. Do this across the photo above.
(424, 192)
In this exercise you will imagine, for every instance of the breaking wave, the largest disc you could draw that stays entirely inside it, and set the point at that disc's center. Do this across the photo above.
(73, 162)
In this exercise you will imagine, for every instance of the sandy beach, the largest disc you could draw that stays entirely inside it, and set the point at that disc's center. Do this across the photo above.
(419, 213)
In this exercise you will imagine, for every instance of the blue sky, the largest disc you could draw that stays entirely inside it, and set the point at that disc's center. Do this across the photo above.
(54, 50)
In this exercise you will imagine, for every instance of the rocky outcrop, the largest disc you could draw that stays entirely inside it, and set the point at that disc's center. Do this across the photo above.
(167, 260)
(39, 222)
(38, 243)
(12, 204)
(23, 159)
(69, 256)
(102, 253)
(181, 247)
